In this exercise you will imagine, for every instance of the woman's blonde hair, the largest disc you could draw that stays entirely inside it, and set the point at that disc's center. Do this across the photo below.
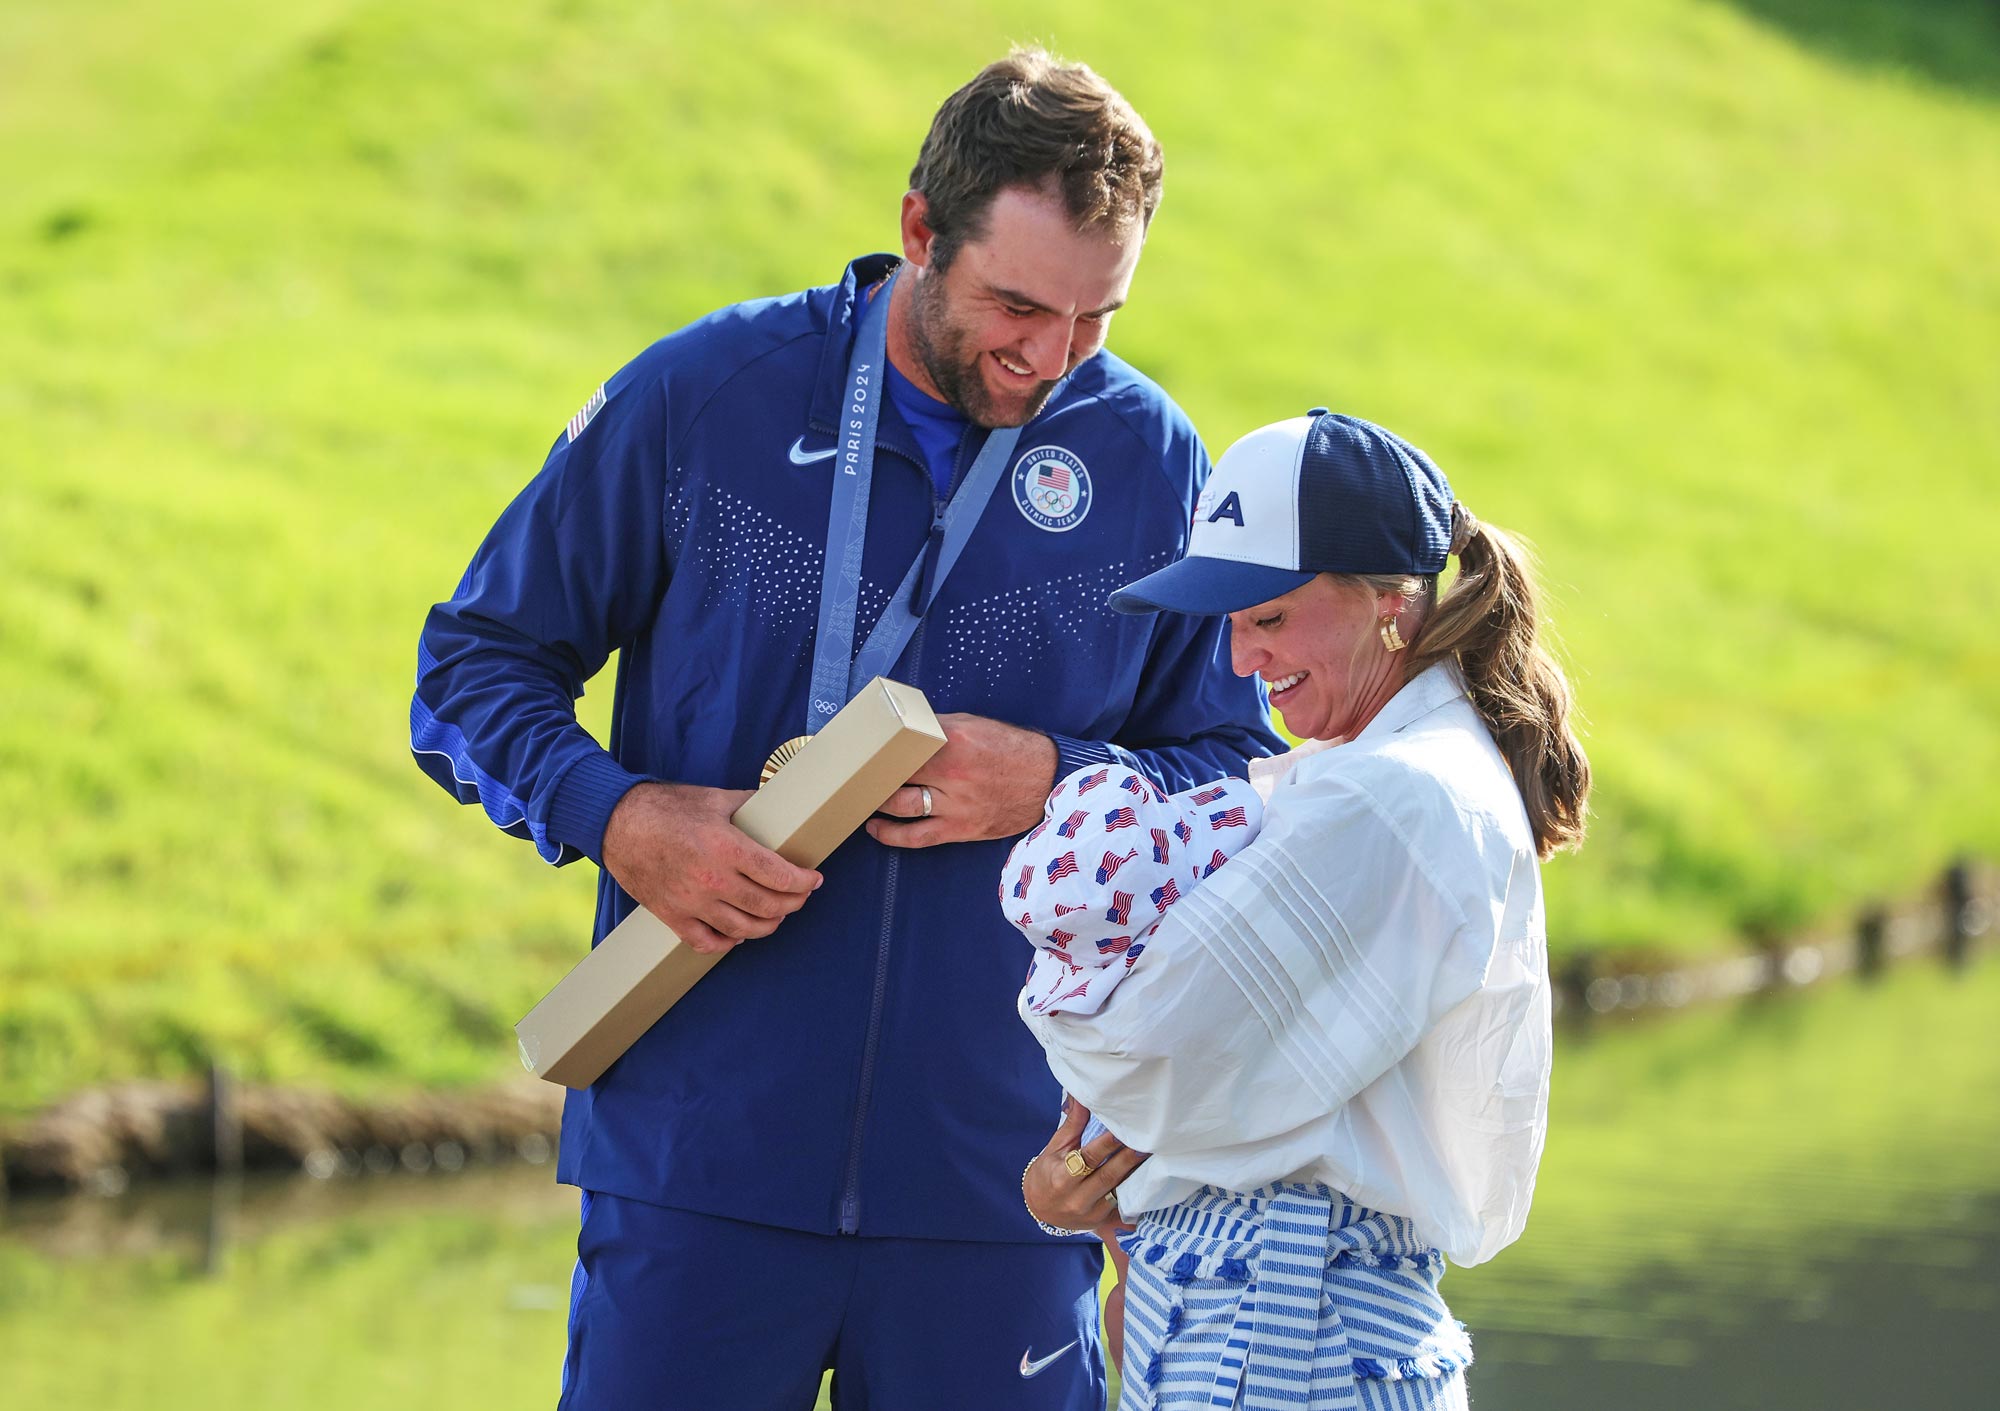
(1487, 623)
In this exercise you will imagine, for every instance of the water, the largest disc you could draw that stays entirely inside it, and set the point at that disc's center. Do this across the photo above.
(1789, 1204)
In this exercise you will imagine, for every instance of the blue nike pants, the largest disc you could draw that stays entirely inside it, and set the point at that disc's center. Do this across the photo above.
(673, 1310)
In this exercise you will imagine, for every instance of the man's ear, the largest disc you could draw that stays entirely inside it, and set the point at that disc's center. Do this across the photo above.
(917, 233)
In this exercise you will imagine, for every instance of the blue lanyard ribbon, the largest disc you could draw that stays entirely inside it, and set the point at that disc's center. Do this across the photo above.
(838, 670)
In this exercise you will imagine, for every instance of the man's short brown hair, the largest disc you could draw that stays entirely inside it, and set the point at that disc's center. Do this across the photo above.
(1032, 120)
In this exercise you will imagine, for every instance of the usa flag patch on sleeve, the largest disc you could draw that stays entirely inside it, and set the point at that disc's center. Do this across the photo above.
(590, 409)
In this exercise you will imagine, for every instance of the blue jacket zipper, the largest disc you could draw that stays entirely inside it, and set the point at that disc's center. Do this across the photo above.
(850, 1195)
(850, 1191)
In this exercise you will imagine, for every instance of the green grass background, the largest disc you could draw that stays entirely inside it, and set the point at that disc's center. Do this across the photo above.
(1701, 297)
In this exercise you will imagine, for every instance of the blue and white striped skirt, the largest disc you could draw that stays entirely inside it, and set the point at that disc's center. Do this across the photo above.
(1290, 1296)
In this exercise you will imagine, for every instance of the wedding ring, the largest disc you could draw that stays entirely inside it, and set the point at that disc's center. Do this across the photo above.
(927, 800)
(1078, 1164)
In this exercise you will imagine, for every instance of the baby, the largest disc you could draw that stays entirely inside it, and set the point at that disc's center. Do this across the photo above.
(1089, 884)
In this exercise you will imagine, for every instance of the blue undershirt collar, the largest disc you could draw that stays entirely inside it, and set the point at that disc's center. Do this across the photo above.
(938, 427)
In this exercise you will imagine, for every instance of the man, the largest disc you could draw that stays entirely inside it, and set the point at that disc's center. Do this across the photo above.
(813, 1161)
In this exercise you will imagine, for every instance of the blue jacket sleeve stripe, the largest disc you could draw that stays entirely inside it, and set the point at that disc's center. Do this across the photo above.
(442, 752)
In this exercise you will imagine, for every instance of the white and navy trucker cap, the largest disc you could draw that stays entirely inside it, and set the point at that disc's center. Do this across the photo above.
(1319, 493)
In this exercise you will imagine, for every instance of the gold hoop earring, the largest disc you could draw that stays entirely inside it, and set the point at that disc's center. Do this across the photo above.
(1391, 637)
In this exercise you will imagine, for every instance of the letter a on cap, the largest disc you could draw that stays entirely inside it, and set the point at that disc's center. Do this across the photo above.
(1230, 508)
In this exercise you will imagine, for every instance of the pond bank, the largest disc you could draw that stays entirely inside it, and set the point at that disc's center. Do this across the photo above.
(103, 1139)
(1948, 923)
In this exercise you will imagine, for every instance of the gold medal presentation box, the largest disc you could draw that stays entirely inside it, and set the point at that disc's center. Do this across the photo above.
(805, 810)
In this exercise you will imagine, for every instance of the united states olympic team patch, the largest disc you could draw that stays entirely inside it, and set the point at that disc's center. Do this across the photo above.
(1052, 489)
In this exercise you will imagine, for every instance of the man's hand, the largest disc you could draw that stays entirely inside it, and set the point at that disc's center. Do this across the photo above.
(674, 850)
(1087, 1202)
(989, 781)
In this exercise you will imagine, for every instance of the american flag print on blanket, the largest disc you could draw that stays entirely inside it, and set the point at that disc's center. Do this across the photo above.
(1090, 925)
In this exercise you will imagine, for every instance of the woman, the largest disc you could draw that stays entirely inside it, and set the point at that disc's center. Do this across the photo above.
(1337, 1047)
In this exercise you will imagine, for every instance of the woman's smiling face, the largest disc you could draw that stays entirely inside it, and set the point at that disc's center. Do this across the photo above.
(1321, 657)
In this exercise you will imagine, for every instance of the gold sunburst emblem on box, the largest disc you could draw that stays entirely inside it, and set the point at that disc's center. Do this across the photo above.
(780, 757)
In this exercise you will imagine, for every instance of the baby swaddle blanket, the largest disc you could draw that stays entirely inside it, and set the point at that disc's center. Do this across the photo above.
(1088, 885)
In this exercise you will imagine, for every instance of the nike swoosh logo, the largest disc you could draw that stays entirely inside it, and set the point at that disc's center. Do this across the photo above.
(1029, 1369)
(801, 456)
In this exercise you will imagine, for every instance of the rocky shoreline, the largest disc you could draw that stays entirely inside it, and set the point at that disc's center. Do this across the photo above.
(102, 1140)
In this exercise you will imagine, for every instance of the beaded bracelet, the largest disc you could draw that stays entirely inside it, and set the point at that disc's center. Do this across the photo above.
(1046, 1226)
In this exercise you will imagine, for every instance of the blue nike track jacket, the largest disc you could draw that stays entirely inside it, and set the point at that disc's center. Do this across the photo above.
(861, 1070)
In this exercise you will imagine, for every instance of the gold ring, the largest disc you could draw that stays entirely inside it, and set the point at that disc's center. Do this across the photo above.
(921, 789)
(1079, 1165)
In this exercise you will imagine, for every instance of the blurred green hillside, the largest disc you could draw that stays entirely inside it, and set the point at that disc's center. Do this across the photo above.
(1701, 297)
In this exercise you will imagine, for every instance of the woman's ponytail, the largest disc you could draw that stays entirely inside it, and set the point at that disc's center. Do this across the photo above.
(1486, 622)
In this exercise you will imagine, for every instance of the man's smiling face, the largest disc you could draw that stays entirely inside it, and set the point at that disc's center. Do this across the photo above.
(1015, 310)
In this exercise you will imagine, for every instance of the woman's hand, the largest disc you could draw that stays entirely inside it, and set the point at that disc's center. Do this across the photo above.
(1086, 1202)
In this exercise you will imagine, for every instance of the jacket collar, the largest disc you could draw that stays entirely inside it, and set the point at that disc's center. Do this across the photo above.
(842, 312)
(1436, 686)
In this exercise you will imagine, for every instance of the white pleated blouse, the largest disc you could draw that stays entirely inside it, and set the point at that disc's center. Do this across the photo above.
(1360, 997)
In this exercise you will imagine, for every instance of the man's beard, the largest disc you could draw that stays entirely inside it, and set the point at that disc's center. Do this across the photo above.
(940, 346)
